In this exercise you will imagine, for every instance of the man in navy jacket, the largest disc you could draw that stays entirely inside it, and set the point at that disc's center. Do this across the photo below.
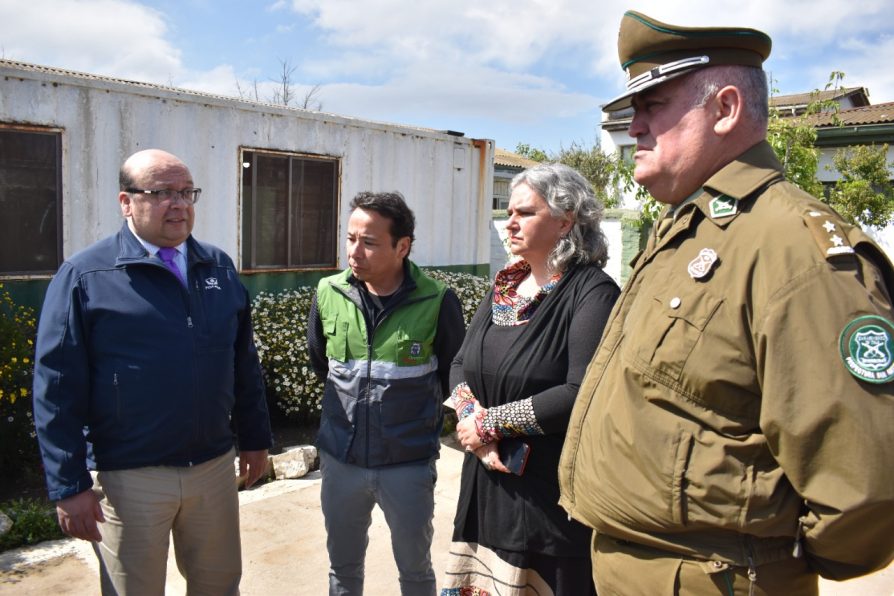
(145, 370)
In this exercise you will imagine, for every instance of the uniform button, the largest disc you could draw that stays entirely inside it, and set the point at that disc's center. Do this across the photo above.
(675, 302)
(717, 564)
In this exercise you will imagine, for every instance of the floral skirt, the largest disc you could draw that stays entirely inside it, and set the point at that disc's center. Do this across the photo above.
(476, 570)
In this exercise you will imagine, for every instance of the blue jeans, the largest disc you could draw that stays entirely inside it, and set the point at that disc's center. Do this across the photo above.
(405, 493)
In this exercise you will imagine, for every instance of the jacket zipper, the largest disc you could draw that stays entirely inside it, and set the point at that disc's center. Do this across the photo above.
(798, 549)
(752, 569)
(117, 397)
(370, 334)
(189, 325)
(370, 340)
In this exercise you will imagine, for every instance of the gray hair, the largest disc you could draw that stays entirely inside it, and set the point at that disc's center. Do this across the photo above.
(751, 82)
(566, 191)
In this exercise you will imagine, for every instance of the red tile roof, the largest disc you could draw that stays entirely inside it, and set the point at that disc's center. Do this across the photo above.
(859, 95)
(880, 113)
(512, 160)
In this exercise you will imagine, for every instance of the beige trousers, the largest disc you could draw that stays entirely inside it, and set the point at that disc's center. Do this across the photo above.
(143, 507)
(628, 569)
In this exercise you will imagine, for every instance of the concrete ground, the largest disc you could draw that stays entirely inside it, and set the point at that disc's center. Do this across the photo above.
(284, 548)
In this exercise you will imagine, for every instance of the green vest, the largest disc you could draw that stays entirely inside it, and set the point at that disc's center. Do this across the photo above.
(382, 400)
(404, 340)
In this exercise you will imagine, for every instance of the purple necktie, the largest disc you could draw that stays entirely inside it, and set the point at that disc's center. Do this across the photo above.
(166, 254)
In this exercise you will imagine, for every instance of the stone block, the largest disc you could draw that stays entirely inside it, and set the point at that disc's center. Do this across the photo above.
(5, 523)
(294, 462)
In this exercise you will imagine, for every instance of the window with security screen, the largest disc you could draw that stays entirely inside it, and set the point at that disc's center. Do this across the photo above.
(31, 201)
(290, 211)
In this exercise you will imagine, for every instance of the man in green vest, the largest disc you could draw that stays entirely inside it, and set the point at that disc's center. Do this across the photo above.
(383, 335)
(734, 430)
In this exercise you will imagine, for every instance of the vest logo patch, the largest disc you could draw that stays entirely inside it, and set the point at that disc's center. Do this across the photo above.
(411, 352)
(723, 206)
(867, 348)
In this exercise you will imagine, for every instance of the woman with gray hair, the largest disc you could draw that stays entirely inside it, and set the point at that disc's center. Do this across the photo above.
(514, 383)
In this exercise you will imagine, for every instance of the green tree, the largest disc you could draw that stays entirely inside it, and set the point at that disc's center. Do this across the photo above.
(530, 152)
(793, 138)
(604, 171)
(609, 174)
(864, 194)
(793, 141)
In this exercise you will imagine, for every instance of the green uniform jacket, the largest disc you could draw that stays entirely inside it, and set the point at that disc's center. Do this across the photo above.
(382, 398)
(719, 417)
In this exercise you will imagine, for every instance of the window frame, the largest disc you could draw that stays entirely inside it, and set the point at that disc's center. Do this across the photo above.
(56, 132)
(248, 256)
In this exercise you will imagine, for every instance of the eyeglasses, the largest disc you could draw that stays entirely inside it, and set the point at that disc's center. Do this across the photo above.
(167, 195)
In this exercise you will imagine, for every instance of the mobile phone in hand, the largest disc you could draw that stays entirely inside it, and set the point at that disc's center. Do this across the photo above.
(514, 454)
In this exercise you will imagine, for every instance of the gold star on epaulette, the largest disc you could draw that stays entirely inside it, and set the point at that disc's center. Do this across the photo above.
(827, 232)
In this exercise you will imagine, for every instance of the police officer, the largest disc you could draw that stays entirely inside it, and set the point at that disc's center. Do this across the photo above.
(734, 430)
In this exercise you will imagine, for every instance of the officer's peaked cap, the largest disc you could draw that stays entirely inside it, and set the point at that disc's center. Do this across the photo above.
(653, 52)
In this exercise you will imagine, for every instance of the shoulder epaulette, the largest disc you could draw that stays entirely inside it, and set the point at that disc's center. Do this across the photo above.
(827, 231)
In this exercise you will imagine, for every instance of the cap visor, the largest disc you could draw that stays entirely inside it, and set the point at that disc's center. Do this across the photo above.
(624, 100)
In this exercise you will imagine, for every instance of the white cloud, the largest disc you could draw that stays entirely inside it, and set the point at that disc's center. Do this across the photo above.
(482, 93)
(220, 80)
(515, 34)
(865, 62)
(109, 37)
(520, 62)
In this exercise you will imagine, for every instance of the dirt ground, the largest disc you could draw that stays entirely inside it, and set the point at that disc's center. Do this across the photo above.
(284, 549)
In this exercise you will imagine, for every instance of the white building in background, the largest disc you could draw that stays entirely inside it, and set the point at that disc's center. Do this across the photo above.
(276, 181)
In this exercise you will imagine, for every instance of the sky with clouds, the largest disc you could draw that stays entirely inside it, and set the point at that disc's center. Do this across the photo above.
(529, 71)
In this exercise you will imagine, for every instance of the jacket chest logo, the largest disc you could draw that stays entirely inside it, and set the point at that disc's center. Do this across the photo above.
(211, 283)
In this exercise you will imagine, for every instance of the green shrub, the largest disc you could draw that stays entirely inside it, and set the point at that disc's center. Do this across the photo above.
(33, 521)
(280, 322)
(18, 446)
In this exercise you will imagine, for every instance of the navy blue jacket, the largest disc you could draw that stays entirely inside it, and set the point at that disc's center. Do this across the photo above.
(133, 370)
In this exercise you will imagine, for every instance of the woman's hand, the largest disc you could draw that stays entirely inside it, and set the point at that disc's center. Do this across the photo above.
(490, 457)
(467, 432)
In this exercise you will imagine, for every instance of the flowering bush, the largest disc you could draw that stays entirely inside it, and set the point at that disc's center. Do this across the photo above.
(470, 289)
(17, 438)
(280, 323)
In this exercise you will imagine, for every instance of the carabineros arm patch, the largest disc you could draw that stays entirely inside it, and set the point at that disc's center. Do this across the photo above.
(867, 348)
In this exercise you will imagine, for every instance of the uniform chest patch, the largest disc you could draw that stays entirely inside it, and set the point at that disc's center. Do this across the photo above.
(701, 265)
(867, 348)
